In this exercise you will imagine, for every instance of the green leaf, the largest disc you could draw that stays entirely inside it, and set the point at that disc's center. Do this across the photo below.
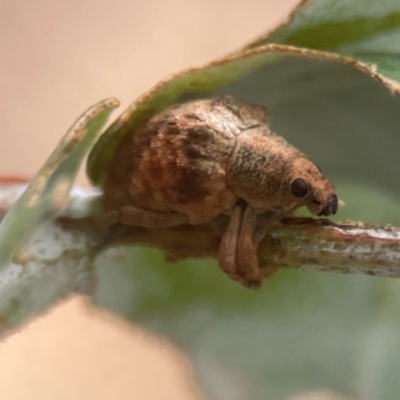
(366, 30)
(48, 192)
(364, 39)
(39, 262)
(302, 331)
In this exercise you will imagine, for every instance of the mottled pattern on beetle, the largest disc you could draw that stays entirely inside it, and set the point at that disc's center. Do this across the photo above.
(258, 167)
(195, 161)
(178, 160)
(251, 164)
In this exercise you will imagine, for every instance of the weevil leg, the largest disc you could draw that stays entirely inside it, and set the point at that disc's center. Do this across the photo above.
(262, 224)
(228, 245)
(135, 216)
(128, 215)
(246, 253)
(95, 222)
(238, 248)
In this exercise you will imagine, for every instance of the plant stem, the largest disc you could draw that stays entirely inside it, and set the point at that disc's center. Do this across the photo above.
(49, 266)
(57, 261)
(304, 244)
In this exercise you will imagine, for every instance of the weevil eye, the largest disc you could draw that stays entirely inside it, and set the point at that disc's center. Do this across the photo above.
(299, 188)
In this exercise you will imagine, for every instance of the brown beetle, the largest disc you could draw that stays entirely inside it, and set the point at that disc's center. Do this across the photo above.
(197, 160)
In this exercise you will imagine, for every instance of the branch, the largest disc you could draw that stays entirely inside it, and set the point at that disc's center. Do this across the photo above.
(304, 244)
(56, 262)
(50, 265)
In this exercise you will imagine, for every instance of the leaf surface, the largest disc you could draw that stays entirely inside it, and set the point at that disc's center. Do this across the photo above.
(324, 76)
(39, 262)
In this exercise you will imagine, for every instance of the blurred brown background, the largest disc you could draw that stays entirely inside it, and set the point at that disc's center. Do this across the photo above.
(57, 59)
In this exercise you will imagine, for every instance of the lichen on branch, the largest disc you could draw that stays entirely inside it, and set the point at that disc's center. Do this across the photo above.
(58, 261)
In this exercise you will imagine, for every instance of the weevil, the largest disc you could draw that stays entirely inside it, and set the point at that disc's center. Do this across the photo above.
(197, 160)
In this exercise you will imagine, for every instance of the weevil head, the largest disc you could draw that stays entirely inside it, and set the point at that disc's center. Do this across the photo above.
(306, 186)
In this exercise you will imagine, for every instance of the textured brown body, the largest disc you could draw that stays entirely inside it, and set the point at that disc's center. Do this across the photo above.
(204, 158)
(176, 162)
(199, 159)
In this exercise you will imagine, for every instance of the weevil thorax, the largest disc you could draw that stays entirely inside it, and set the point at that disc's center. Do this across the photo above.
(269, 173)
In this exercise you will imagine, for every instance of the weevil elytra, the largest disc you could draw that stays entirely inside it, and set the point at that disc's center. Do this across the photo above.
(197, 160)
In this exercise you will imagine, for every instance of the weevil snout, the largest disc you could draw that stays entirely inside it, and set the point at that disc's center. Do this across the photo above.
(331, 207)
